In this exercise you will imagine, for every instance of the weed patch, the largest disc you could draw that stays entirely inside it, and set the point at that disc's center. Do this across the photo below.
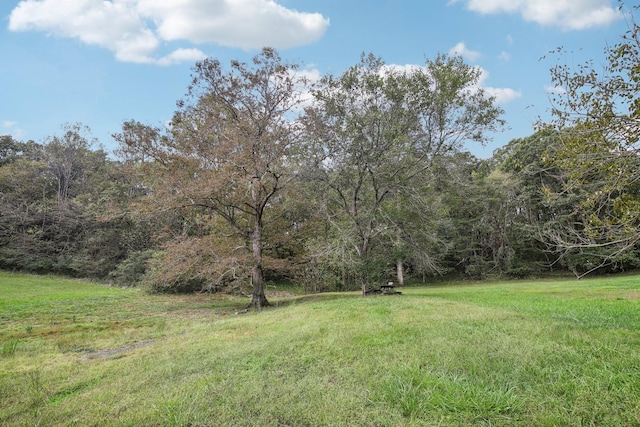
(9, 347)
(424, 393)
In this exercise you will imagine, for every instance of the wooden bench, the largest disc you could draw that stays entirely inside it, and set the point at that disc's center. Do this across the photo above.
(386, 289)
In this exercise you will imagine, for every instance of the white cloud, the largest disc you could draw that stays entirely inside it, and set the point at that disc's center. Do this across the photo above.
(135, 29)
(12, 129)
(558, 90)
(247, 24)
(565, 14)
(310, 73)
(502, 95)
(407, 68)
(462, 50)
(182, 55)
(504, 56)
(113, 25)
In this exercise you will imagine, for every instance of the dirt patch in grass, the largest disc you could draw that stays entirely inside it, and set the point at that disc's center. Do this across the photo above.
(109, 352)
(631, 296)
(279, 294)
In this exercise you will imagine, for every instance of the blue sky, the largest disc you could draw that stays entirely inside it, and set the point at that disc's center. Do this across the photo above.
(101, 62)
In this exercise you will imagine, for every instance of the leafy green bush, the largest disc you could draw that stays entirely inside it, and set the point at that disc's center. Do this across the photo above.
(131, 271)
(518, 271)
(477, 268)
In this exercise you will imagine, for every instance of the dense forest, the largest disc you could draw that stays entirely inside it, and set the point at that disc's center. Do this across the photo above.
(338, 184)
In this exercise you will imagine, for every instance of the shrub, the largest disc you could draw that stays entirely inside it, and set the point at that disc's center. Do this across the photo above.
(132, 270)
(196, 264)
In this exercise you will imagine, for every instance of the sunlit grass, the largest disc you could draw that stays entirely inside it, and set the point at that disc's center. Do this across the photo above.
(515, 353)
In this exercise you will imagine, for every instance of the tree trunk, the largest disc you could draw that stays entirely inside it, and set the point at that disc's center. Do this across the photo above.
(258, 298)
(400, 271)
(362, 274)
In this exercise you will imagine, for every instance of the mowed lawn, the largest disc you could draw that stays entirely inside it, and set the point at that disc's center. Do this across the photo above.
(539, 353)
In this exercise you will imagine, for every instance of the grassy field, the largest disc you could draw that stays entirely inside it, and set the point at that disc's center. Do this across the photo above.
(540, 353)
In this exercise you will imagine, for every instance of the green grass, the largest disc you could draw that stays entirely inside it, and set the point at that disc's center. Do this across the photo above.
(539, 353)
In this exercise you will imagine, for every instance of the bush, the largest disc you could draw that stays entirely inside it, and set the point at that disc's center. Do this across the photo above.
(196, 264)
(132, 270)
(478, 268)
(518, 272)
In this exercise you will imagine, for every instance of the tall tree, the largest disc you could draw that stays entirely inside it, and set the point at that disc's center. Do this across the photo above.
(479, 201)
(414, 218)
(228, 146)
(375, 130)
(597, 114)
(10, 149)
(52, 195)
(533, 214)
(69, 158)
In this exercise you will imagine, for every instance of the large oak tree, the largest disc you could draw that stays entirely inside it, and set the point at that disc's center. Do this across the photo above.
(226, 152)
(373, 133)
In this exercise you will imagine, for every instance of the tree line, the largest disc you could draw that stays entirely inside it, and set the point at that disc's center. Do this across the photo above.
(336, 184)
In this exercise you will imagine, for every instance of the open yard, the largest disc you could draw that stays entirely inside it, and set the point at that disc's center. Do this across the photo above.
(539, 353)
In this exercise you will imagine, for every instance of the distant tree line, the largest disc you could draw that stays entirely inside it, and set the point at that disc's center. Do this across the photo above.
(335, 185)
(70, 209)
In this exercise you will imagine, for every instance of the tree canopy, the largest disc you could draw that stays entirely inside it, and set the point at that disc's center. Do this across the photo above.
(372, 135)
(597, 111)
(226, 152)
(341, 183)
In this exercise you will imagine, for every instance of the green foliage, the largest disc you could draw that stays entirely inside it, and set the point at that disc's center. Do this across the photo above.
(487, 229)
(478, 267)
(131, 271)
(597, 116)
(12, 150)
(533, 215)
(368, 183)
(518, 271)
(371, 140)
(56, 200)
(320, 275)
